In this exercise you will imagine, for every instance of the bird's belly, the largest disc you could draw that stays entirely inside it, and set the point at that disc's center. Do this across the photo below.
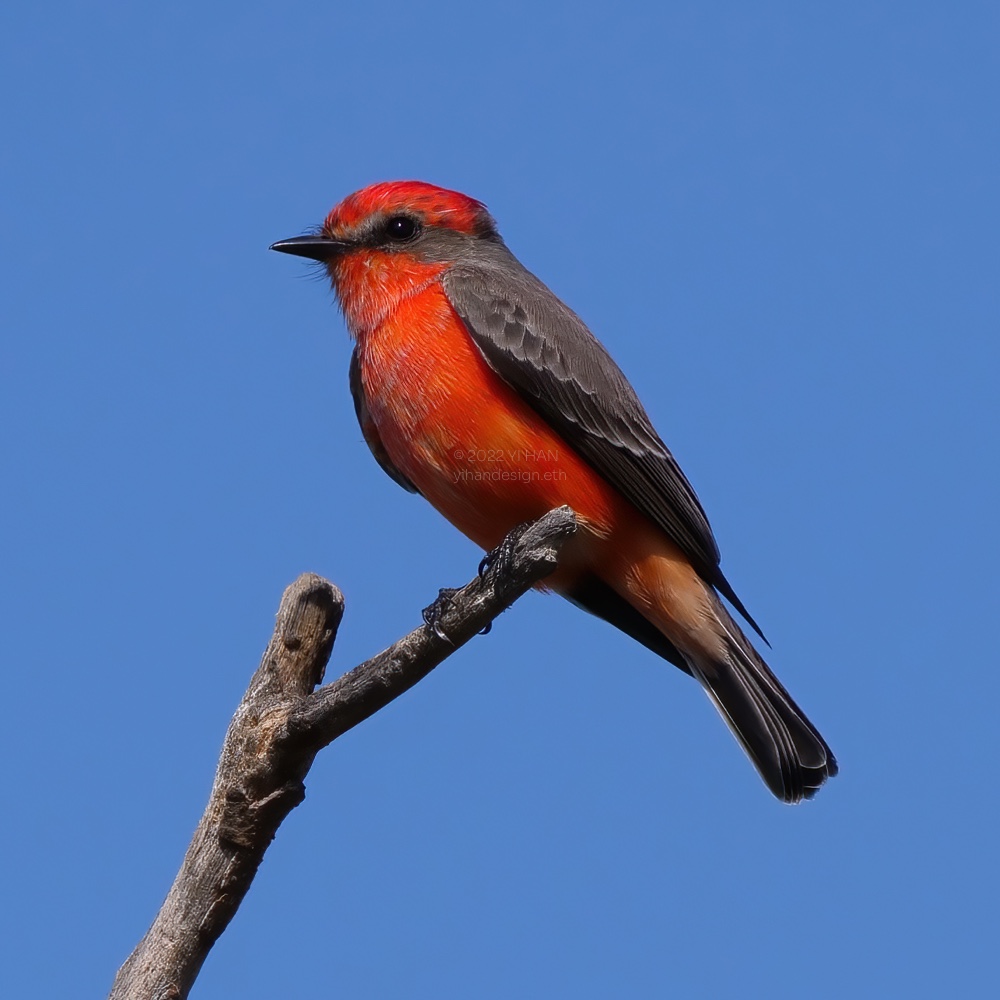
(462, 436)
(487, 461)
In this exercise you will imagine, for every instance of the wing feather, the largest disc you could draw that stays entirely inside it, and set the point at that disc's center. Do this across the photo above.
(540, 347)
(368, 429)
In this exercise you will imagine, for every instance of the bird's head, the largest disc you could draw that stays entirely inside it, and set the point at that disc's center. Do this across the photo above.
(383, 242)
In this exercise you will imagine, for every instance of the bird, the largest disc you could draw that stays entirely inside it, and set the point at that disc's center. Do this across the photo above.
(477, 388)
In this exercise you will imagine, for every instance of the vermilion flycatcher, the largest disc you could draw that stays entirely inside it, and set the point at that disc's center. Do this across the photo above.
(477, 388)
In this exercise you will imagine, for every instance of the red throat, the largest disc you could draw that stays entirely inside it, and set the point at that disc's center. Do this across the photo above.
(370, 284)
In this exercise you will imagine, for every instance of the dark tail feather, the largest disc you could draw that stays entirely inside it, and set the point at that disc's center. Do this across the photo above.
(791, 756)
(596, 597)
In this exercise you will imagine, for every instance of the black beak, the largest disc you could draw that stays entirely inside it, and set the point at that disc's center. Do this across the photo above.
(314, 247)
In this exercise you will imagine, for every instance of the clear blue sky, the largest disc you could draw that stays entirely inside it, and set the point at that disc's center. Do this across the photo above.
(781, 218)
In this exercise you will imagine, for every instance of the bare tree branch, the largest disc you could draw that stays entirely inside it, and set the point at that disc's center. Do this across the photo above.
(280, 726)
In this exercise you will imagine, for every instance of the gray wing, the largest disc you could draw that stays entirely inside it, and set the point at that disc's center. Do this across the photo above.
(368, 429)
(544, 351)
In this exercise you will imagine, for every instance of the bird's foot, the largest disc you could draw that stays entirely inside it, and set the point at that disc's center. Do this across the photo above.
(434, 611)
(500, 559)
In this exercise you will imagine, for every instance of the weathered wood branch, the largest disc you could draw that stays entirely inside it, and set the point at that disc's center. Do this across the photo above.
(283, 721)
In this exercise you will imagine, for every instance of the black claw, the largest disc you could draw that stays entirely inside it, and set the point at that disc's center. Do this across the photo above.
(501, 558)
(433, 612)
(486, 629)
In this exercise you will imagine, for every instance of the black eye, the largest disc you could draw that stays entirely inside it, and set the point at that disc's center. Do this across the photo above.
(401, 228)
